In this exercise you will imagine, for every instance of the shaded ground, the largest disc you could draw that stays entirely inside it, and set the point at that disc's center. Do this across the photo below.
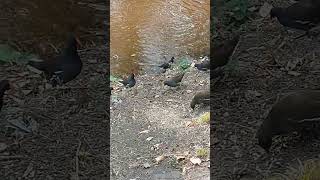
(270, 64)
(68, 138)
(164, 112)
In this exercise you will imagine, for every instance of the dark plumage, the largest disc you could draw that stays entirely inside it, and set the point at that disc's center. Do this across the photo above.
(174, 81)
(129, 82)
(203, 66)
(171, 60)
(302, 15)
(4, 85)
(167, 65)
(63, 68)
(202, 97)
(292, 113)
(221, 53)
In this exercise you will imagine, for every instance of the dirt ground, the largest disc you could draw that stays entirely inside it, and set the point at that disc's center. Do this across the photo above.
(151, 120)
(271, 64)
(60, 133)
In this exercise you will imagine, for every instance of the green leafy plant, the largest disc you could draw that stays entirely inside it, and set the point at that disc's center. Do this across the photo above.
(202, 152)
(184, 64)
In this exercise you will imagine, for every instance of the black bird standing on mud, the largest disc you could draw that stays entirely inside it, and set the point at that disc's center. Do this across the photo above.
(202, 97)
(4, 85)
(302, 15)
(299, 111)
(63, 68)
(129, 82)
(221, 53)
(167, 65)
(174, 81)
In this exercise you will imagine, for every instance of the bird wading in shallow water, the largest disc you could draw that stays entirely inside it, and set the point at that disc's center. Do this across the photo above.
(302, 15)
(221, 53)
(129, 82)
(64, 68)
(202, 97)
(299, 111)
(174, 81)
(4, 85)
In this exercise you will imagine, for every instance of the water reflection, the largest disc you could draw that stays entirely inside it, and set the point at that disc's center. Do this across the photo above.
(144, 31)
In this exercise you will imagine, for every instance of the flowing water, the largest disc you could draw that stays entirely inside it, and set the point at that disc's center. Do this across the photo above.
(143, 32)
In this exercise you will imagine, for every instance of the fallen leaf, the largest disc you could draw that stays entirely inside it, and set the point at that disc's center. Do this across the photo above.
(184, 170)
(144, 132)
(149, 138)
(26, 92)
(195, 160)
(265, 9)
(160, 158)
(294, 73)
(146, 165)
(3, 147)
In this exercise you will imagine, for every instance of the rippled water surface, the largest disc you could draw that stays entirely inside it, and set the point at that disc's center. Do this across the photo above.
(143, 32)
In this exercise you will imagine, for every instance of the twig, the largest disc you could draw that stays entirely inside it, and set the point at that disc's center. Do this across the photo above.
(3, 158)
(77, 161)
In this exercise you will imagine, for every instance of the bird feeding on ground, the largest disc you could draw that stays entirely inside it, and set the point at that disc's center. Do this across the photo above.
(302, 15)
(64, 68)
(129, 82)
(221, 53)
(174, 81)
(202, 97)
(298, 111)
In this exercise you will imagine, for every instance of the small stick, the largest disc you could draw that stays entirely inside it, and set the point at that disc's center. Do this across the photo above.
(77, 161)
(4, 158)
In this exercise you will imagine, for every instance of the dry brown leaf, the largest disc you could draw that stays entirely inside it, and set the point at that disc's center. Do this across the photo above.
(160, 158)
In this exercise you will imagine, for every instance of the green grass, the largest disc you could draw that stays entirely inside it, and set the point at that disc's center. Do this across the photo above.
(204, 119)
(202, 152)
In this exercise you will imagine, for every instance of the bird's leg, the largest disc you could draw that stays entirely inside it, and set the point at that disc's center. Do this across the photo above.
(56, 78)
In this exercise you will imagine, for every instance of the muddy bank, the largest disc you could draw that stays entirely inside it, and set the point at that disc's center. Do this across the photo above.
(151, 120)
